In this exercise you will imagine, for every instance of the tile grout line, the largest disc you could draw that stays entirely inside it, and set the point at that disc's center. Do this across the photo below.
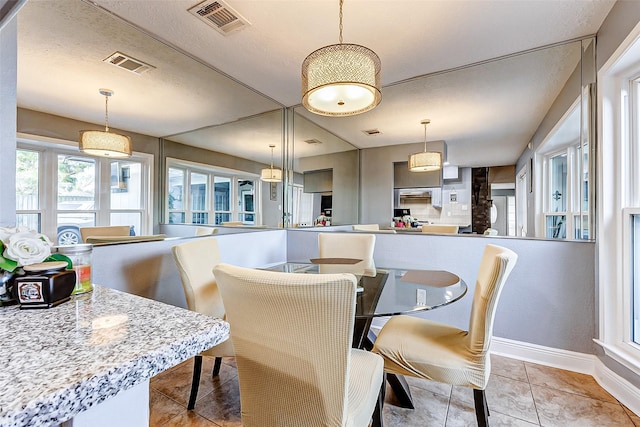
(535, 405)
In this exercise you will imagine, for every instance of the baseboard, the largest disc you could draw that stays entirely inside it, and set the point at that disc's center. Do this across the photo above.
(548, 356)
(618, 387)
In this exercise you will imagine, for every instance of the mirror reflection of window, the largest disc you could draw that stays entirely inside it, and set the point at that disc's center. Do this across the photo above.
(246, 202)
(198, 191)
(27, 189)
(222, 195)
(175, 196)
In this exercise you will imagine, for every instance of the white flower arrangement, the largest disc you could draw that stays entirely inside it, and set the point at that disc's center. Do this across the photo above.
(20, 246)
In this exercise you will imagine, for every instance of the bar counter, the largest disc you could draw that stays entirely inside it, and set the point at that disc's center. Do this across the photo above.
(57, 363)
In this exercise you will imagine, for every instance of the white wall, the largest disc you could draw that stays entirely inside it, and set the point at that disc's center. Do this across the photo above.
(8, 79)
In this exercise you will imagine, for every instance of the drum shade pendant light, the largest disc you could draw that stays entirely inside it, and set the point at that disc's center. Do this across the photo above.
(428, 160)
(341, 79)
(270, 174)
(105, 143)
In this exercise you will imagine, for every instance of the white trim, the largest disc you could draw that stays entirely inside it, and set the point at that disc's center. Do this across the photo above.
(618, 387)
(624, 353)
(547, 356)
(613, 196)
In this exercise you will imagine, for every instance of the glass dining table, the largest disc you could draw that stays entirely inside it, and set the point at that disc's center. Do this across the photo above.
(387, 292)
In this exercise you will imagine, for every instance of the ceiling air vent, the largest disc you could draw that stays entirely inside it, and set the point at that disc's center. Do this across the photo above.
(220, 16)
(313, 141)
(128, 63)
(371, 132)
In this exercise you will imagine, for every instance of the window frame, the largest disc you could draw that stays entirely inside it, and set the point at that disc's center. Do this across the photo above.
(618, 198)
(49, 150)
(212, 172)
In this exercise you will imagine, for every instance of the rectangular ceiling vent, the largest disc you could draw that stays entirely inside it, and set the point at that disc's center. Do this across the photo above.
(128, 63)
(313, 141)
(372, 132)
(220, 16)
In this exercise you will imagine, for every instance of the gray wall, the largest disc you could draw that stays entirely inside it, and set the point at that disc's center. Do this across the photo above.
(8, 79)
(149, 270)
(545, 301)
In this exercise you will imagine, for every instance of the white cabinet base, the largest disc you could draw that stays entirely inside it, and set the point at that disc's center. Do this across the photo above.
(129, 408)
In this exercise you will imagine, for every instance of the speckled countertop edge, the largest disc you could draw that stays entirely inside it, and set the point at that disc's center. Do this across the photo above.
(55, 363)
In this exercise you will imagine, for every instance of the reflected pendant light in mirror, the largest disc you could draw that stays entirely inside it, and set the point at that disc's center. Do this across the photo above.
(341, 79)
(427, 160)
(271, 174)
(105, 143)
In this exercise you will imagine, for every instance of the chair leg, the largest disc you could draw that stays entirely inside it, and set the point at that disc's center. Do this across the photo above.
(482, 410)
(216, 367)
(377, 413)
(195, 381)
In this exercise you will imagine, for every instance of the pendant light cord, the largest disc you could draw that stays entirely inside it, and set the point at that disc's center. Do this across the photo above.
(106, 113)
(272, 147)
(341, 1)
(425, 137)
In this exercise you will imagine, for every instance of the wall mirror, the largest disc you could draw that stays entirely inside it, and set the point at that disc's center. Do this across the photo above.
(201, 115)
(324, 176)
(513, 112)
(174, 106)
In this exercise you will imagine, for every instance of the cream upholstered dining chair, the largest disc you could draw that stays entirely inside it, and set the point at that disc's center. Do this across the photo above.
(490, 232)
(347, 245)
(440, 229)
(292, 335)
(124, 239)
(105, 231)
(425, 349)
(365, 227)
(205, 231)
(195, 260)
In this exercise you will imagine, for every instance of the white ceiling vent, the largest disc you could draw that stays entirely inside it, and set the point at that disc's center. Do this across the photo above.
(313, 141)
(372, 132)
(220, 16)
(128, 63)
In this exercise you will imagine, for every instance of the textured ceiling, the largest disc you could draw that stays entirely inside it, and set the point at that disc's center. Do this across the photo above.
(486, 114)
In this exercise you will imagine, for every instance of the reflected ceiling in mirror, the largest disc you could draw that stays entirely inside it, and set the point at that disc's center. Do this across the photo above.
(248, 138)
(486, 113)
(312, 140)
(62, 46)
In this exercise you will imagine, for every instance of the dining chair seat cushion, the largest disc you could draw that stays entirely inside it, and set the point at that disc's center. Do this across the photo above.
(364, 385)
(430, 350)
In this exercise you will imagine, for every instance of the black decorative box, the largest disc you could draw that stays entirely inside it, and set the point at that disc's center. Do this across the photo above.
(45, 289)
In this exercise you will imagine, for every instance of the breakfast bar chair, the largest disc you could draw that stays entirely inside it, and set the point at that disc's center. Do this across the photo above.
(195, 260)
(426, 349)
(292, 335)
(105, 231)
(440, 229)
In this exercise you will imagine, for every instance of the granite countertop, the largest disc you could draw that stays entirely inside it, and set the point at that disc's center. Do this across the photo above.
(57, 362)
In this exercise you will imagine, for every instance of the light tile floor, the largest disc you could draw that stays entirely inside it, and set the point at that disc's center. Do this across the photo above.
(519, 394)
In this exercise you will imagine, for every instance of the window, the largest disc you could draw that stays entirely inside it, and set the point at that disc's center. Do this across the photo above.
(60, 190)
(204, 203)
(619, 206)
(301, 204)
(566, 193)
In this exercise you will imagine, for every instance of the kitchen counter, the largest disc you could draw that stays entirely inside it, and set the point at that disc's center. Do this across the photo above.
(57, 363)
